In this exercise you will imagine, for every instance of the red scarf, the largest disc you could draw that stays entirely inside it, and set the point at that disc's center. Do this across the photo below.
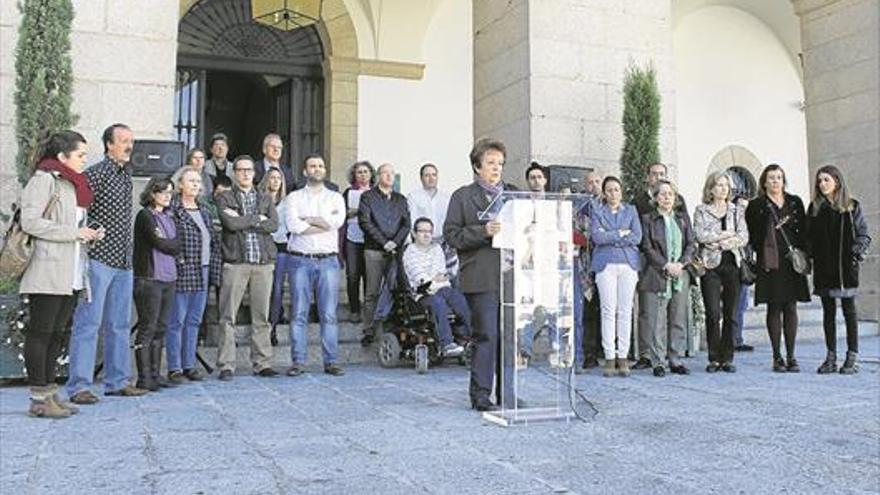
(84, 194)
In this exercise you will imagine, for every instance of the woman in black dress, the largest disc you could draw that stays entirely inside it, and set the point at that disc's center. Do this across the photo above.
(838, 239)
(777, 224)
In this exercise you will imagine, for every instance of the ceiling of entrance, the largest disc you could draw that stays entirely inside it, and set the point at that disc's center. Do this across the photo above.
(224, 28)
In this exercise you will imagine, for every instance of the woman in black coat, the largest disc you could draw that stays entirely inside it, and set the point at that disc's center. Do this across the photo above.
(480, 273)
(838, 240)
(776, 223)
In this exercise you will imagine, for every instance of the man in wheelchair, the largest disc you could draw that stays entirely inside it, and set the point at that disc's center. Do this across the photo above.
(424, 265)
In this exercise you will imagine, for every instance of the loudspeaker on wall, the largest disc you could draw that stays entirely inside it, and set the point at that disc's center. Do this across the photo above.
(156, 157)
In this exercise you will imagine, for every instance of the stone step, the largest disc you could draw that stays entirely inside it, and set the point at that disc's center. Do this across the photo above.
(809, 314)
(349, 353)
(809, 332)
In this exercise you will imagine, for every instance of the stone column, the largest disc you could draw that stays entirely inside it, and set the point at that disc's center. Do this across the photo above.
(548, 77)
(340, 117)
(841, 57)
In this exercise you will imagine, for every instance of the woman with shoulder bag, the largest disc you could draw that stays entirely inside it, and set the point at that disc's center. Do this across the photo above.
(668, 246)
(777, 233)
(53, 213)
(838, 240)
(721, 233)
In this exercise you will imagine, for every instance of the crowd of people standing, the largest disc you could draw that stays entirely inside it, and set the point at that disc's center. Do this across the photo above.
(246, 226)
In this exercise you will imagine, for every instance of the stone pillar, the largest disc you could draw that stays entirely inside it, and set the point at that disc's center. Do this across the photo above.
(841, 57)
(548, 77)
(340, 118)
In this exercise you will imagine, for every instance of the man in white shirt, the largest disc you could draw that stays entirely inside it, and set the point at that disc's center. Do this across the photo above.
(314, 215)
(425, 267)
(428, 201)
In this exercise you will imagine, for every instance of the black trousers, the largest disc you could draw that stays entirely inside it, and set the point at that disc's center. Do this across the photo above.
(829, 322)
(592, 328)
(485, 368)
(49, 316)
(355, 273)
(720, 287)
(154, 301)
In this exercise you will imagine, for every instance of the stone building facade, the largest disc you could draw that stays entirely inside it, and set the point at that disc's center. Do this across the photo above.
(744, 83)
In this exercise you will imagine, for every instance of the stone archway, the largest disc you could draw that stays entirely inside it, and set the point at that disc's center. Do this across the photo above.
(741, 164)
(339, 39)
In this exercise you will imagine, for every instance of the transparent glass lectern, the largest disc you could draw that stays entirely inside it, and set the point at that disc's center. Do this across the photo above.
(537, 312)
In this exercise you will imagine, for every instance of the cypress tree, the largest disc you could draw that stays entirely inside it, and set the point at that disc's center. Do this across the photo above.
(641, 128)
(43, 77)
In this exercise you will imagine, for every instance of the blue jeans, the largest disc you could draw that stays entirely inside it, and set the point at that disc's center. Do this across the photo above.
(441, 303)
(109, 310)
(281, 274)
(322, 277)
(183, 328)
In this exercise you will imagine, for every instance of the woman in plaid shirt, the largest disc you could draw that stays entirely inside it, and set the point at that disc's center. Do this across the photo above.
(198, 266)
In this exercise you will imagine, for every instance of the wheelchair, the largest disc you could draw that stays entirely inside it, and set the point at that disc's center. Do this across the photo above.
(408, 333)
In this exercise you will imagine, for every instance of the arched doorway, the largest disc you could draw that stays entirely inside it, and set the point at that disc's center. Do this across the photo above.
(742, 166)
(738, 80)
(244, 79)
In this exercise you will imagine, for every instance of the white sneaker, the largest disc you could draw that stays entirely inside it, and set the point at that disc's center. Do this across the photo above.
(453, 350)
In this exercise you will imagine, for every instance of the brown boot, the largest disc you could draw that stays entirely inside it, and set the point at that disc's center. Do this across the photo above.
(622, 367)
(42, 405)
(63, 404)
(609, 370)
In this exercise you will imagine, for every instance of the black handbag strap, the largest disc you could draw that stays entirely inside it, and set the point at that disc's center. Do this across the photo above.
(781, 228)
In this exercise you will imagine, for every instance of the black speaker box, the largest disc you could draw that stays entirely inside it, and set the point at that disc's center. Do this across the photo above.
(153, 157)
(566, 175)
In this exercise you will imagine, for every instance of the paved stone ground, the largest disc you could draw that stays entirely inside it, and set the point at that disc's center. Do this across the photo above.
(393, 431)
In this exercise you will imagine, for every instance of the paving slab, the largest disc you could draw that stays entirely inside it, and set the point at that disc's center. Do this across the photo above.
(393, 431)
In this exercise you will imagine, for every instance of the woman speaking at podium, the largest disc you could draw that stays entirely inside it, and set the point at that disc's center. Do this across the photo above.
(480, 264)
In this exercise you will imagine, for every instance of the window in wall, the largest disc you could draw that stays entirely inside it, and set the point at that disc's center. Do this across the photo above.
(188, 107)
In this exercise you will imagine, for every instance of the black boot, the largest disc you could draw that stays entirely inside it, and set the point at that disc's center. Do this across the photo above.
(850, 364)
(830, 364)
(144, 369)
(156, 363)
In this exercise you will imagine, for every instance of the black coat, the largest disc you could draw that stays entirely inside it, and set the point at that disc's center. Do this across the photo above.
(782, 285)
(652, 277)
(837, 242)
(383, 218)
(480, 263)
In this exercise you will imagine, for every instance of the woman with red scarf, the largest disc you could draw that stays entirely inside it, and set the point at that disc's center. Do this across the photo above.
(53, 213)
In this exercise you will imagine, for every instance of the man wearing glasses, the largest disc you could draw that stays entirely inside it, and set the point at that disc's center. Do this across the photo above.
(272, 152)
(425, 266)
(248, 218)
